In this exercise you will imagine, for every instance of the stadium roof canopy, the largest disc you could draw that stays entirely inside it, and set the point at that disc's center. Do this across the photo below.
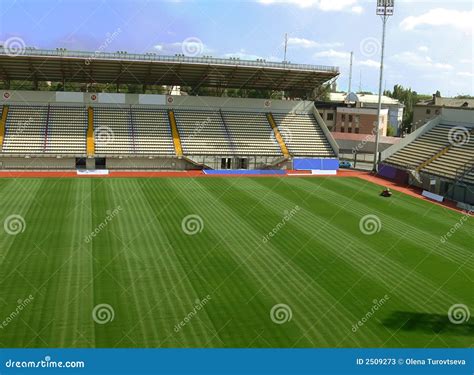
(61, 65)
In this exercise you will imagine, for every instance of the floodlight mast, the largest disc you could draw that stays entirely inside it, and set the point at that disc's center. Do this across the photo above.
(384, 10)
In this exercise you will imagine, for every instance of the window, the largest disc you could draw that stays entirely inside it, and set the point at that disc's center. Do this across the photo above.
(343, 117)
(428, 111)
(350, 118)
(243, 163)
(330, 116)
(349, 130)
(321, 114)
(436, 111)
(342, 129)
(357, 130)
(357, 119)
(226, 163)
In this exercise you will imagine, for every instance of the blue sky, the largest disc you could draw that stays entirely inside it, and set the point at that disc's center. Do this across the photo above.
(429, 43)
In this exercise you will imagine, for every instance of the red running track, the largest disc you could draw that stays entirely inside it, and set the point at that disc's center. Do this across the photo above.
(368, 176)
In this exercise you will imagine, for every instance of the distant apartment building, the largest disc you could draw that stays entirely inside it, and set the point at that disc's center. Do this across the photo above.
(357, 113)
(426, 110)
(359, 120)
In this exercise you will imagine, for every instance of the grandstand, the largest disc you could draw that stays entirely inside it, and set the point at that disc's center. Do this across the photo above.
(203, 132)
(67, 130)
(439, 156)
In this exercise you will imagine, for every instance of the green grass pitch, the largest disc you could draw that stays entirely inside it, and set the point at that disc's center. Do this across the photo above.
(264, 262)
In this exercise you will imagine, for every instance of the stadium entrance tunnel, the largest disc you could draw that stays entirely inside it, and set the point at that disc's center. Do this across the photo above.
(100, 163)
(81, 163)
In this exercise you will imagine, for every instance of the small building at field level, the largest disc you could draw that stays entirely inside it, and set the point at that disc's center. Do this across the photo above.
(357, 113)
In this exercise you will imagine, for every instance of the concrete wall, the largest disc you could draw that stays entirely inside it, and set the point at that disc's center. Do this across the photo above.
(37, 163)
(162, 101)
(145, 163)
(329, 116)
(360, 147)
(326, 131)
(253, 162)
(461, 116)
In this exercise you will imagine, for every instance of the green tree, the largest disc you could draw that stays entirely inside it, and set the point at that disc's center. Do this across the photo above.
(408, 98)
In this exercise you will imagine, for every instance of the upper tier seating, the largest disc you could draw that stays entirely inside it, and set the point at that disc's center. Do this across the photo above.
(43, 130)
(435, 152)
(25, 129)
(112, 131)
(151, 132)
(302, 135)
(203, 133)
(421, 149)
(66, 130)
(145, 130)
(451, 164)
(251, 134)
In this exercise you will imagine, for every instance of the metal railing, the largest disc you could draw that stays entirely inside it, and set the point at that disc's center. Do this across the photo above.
(99, 55)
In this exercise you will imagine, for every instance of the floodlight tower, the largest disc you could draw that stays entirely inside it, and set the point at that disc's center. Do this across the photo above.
(384, 10)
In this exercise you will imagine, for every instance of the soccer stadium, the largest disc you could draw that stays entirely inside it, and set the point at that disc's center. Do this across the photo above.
(164, 220)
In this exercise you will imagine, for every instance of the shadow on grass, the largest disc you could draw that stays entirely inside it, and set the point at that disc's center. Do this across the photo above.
(429, 323)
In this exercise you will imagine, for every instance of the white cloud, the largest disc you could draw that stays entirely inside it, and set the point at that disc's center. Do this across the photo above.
(244, 55)
(333, 54)
(420, 62)
(460, 20)
(465, 74)
(307, 43)
(466, 61)
(324, 5)
(423, 49)
(369, 63)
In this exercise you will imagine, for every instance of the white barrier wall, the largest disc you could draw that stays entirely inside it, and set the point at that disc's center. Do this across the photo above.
(37, 163)
(326, 131)
(458, 116)
(167, 101)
